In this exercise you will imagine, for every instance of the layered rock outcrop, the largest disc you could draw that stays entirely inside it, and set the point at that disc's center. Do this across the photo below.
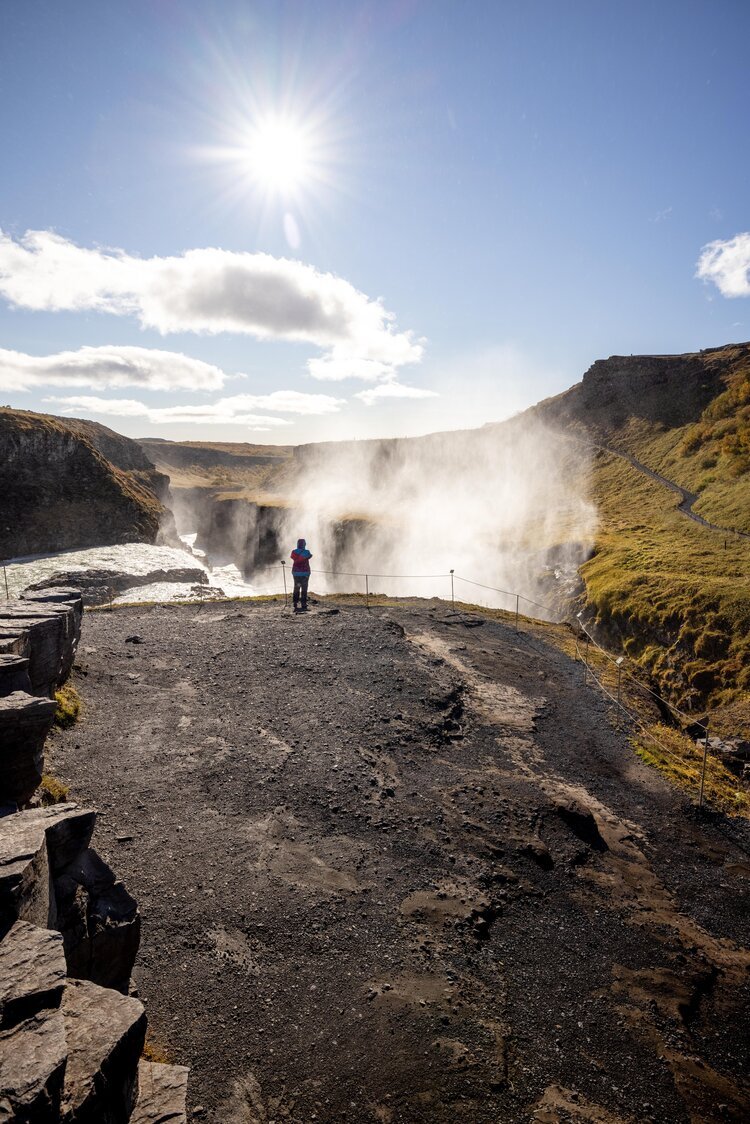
(71, 1037)
(38, 641)
(70, 1048)
(48, 463)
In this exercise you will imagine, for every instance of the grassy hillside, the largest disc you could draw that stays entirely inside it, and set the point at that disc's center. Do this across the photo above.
(674, 593)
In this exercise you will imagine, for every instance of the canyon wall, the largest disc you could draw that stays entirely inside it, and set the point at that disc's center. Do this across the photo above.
(50, 466)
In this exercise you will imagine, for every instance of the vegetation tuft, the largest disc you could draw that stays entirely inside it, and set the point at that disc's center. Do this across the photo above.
(68, 706)
(53, 791)
(680, 758)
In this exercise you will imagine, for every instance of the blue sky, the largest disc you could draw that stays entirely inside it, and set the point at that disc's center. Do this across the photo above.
(525, 187)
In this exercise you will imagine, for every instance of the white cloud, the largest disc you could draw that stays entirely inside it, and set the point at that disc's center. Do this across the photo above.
(285, 402)
(236, 410)
(727, 264)
(209, 291)
(392, 390)
(100, 367)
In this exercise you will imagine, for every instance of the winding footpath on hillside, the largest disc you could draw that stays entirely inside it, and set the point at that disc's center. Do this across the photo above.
(687, 499)
(400, 867)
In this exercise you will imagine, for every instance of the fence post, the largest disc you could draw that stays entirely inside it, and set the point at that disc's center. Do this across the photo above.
(703, 767)
(619, 677)
(5, 573)
(283, 570)
(517, 597)
(367, 592)
(586, 660)
(453, 598)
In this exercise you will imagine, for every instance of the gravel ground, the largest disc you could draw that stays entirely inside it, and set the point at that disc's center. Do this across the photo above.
(401, 866)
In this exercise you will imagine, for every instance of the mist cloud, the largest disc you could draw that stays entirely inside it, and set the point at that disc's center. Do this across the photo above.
(210, 291)
(108, 367)
(727, 264)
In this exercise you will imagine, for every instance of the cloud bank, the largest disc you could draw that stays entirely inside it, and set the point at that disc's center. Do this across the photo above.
(108, 367)
(727, 264)
(235, 410)
(209, 291)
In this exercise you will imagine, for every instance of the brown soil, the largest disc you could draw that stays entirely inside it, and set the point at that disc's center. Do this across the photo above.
(397, 869)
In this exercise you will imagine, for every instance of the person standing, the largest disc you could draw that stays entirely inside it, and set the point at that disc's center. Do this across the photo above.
(301, 573)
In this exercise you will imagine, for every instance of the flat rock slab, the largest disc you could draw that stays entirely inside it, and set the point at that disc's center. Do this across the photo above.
(105, 1033)
(162, 1092)
(32, 972)
(32, 1069)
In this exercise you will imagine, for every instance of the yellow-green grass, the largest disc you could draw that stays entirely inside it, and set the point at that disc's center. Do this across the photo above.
(68, 706)
(673, 594)
(52, 790)
(681, 759)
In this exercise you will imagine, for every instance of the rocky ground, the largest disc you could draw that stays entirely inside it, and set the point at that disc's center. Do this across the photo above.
(401, 866)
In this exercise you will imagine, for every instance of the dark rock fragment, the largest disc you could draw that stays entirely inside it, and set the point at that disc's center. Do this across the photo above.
(99, 921)
(105, 1033)
(162, 1091)
(32, 1068)
(32, 973)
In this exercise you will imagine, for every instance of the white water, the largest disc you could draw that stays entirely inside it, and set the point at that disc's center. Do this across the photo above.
(138, 559)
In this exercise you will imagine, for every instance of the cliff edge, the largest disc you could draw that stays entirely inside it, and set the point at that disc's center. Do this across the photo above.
(67, 485)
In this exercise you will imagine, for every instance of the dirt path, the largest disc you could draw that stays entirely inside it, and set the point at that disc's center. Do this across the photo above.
(400, 867)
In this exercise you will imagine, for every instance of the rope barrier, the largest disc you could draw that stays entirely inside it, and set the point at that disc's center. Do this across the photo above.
(436, 577)
(639, 682)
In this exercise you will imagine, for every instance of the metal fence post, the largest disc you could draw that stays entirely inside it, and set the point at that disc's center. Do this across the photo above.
(7, 594)
(619, 678)
(517, 597)
(367, 592)
(703, 767)
(586, 660)
(283, 570)
(453, 598)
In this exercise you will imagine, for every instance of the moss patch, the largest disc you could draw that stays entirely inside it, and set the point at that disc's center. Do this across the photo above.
(68, 706)
(53, 791)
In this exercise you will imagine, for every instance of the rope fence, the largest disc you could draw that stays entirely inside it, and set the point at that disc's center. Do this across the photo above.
(614, 679)
(451, 576)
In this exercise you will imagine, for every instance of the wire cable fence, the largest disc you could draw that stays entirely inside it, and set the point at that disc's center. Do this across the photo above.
(694, 767)
(517, 599)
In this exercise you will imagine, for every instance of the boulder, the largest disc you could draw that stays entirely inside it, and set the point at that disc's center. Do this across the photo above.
(32, 1069)
(162, 1092)
(35, 845)
(14, 674)
(25, 722)
(105, 1033)
(99, 921)
(32, 973)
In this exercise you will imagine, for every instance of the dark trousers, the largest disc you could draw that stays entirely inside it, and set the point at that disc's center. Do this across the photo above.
(300, 588)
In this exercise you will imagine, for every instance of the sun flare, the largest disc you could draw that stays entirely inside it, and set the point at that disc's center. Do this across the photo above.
(278, 154)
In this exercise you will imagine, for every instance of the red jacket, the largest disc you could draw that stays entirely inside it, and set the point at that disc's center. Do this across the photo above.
(301, 563)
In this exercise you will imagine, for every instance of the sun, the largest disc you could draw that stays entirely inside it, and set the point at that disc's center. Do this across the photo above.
(278, 155)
